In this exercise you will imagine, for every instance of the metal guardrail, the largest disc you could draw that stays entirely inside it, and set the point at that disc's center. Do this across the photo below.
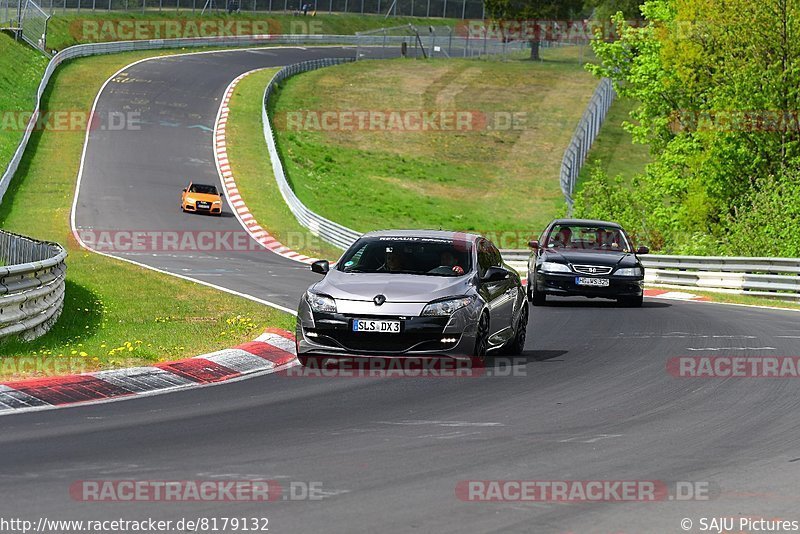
(584, 136)
(332, 232)
(31, 285)
(763, 277)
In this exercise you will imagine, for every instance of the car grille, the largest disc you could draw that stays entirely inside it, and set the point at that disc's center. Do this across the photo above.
(592, 269)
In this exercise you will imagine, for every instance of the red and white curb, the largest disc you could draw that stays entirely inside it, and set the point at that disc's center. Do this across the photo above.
(672, 295)
(235, 200)
(270, 352)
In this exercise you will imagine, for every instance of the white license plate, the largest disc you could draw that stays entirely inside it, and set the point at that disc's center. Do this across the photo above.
(370, 325)
(597, 282)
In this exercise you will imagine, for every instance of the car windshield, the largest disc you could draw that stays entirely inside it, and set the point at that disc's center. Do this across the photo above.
(203, 189)
(587, 238)
(408, 255)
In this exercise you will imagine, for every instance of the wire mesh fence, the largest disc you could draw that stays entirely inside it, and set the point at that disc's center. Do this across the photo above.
(33, 21)
(432, 41)
(583, 138)
(456, 9)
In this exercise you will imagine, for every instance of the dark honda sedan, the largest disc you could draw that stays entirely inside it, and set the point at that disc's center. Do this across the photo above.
(577, 257)
(406, 293)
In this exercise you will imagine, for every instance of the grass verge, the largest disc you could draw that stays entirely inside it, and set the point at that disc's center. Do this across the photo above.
(252, 169)
(76, 28)
(21, 69)
(105, 323)
(499, 176)
(733, 298)
(613, 150)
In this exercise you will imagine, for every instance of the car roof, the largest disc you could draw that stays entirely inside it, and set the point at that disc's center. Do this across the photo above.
(436, 234)
(585, 222)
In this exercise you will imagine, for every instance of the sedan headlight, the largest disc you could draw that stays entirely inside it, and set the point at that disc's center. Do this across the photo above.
(630, 271)
(321, 303)
(446, 307)
(217, 202)
(190, 199)
(553, 267)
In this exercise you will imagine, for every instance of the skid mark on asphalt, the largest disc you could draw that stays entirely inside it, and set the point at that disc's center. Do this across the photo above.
(438, 423)
(729, 348)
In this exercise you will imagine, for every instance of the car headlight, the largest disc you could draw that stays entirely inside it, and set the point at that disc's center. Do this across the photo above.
(446, 307)
(553, 267)
(217, 202)
(190, 199)
(630, 271)
(321, 303)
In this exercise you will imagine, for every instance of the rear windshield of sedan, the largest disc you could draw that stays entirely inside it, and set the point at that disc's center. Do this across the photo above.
(203, 189)
(422, 256)
(587, 238)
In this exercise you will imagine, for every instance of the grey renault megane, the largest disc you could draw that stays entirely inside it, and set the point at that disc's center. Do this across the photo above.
(408, 293)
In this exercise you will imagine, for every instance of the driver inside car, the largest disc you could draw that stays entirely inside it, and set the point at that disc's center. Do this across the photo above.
(562, 239)
(448, 263)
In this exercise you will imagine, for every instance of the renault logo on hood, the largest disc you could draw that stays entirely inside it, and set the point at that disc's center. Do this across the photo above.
(379, 299)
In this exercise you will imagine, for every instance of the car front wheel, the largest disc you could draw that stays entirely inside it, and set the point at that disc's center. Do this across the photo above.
(482, 338)
(517, 344)
(537, 297)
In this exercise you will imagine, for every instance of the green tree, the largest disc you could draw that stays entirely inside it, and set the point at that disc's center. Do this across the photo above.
(605, 9)
(526, 16)
(719, 88)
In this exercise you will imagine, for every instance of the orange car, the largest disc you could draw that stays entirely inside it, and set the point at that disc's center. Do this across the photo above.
(201, 198)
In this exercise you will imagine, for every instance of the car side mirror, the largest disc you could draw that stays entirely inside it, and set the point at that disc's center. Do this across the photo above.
(184, 190)
(642, 250)
(321, 266)
(533, 244)
(495, 274)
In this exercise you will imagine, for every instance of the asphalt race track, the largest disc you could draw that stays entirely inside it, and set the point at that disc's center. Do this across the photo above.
(132, 178)
(591, 398)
